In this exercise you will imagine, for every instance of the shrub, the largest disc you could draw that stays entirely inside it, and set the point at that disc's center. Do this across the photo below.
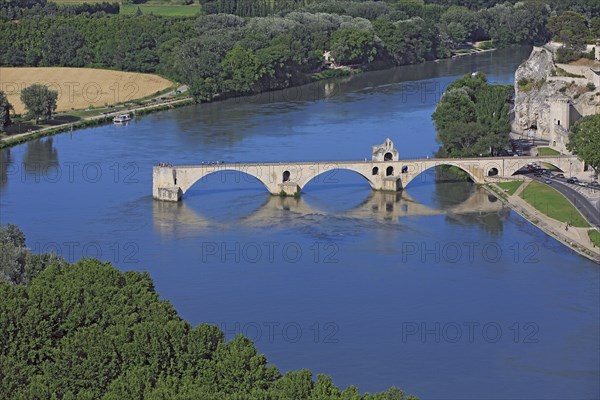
(567, 54)
(487, 45)
(590, 55)
(525, 85)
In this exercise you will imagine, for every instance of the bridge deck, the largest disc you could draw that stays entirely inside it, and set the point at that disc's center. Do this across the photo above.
(408, 160)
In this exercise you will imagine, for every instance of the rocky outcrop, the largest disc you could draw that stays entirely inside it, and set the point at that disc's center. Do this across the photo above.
(538, 66)
(531, 106)
(547, 101)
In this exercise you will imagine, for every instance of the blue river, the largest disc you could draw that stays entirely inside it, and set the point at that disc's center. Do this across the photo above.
(366, 287)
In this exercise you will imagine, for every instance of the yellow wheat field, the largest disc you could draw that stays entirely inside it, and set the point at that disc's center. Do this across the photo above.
(80, 88)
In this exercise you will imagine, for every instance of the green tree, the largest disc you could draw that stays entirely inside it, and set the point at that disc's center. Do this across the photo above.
(62, 46)
(570, 28)
(472, 117)
(89, 331)
(595, 27)
(17, 265)
(406, 42)
(12, 254)
(5, 108)
(523, 22)
(458, 24)
(584, 140)
(351, 46)
(240, 69)
(39, 101)
(197, 62)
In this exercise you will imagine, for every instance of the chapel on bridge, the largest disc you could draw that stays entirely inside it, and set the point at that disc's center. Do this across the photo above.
(385, 151)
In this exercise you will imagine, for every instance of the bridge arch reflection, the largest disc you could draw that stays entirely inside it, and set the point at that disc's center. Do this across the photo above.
(171, 217)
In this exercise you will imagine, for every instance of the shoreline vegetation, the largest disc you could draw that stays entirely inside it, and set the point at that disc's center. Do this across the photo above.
(87, 330)
(247, 47)
(184, 99)
(92, 121)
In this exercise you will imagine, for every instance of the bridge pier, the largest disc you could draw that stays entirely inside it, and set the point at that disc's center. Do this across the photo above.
(391, 184)
(164, 184)
(288, 189)
(172, 193)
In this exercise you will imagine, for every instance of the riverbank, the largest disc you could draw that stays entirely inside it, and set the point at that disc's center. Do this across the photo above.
(95, 120)
(578, 239)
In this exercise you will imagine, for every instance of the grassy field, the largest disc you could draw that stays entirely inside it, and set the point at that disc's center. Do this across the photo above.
(81, 88)
(594, 237)
(550, 202)
(156, 7)
(510, 187)
(547, 151)
(166, 10)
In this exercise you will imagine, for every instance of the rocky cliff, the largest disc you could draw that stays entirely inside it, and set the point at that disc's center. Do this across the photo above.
(549, 96)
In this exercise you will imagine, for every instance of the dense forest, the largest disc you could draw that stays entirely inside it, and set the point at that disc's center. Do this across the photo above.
(247, 46)
(89, 331)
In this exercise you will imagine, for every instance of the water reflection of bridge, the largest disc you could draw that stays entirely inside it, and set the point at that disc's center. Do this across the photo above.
(380, 206)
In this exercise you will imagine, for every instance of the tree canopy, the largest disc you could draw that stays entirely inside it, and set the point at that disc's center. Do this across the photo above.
(89, 331)
(39, 101)
(5, 108)
(584, 140)
(276, 44)
(570, 28)
(472, 117)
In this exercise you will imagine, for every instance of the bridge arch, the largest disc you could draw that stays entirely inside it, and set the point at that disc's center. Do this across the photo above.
(420, 173)
(364, 174)
(188, 180)
(515, 168)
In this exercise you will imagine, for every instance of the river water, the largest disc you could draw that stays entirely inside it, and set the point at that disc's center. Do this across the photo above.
(439, 291)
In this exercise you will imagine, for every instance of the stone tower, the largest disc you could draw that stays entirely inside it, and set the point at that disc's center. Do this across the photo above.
(560, 121)
(560, 109)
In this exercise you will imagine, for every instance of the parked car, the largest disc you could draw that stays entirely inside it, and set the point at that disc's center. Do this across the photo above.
(548, 181)
(562, 176)
(594, 184)
(571, 180)
(584, 184)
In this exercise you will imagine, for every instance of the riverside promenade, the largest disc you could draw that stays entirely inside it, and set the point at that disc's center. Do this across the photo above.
(575, 238)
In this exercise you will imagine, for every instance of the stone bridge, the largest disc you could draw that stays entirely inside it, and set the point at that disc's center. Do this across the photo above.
(384, 172)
